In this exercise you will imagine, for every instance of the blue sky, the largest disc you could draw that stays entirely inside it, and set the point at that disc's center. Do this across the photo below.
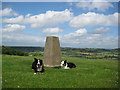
(77, 24)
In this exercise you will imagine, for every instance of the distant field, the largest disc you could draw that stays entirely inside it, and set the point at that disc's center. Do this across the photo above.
(90, 73)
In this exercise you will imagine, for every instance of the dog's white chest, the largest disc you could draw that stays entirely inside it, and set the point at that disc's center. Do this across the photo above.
(39, 69)
(66, 67)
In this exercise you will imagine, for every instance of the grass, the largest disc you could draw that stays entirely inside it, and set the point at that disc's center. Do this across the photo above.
(0, 72)
(17, 73)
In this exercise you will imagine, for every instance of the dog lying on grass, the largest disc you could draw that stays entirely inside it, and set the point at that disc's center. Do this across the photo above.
(67, 65)
(38, 66)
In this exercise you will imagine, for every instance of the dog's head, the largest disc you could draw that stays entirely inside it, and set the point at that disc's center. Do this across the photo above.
(63, 63)
(38, 62)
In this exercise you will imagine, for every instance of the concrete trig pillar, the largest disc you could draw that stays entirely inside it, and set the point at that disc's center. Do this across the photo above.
(52, 53)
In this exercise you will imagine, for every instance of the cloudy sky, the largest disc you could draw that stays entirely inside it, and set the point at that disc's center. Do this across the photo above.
(77, 24)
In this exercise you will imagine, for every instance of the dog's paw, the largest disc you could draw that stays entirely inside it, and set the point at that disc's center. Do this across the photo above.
(34, 73)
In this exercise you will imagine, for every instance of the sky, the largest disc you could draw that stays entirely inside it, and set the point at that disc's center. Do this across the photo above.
(77, 24)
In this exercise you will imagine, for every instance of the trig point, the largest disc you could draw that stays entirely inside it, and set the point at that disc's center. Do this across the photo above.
(52, 54)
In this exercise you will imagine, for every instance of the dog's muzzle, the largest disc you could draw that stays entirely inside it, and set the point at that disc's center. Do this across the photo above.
(38, 65)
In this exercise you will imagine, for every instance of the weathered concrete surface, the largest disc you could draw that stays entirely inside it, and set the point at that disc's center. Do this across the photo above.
(52, 53)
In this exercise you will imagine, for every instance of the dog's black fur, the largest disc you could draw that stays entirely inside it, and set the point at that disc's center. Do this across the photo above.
(38, 66)
(67, 65)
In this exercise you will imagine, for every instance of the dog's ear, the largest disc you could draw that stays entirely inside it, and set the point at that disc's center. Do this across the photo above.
(65, 61)
(35, 59)
(41, 61)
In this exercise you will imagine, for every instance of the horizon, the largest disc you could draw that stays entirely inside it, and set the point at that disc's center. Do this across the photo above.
(62, 47)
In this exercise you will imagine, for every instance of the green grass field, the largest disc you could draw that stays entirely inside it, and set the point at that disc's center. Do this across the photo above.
(90, 73)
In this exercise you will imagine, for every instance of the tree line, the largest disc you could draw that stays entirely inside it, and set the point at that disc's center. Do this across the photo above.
(10, 51)
(88, 50)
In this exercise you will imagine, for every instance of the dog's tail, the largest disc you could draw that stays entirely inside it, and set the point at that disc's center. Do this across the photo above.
(74, 66)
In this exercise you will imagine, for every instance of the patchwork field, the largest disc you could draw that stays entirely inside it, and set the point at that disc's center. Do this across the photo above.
(90, 73)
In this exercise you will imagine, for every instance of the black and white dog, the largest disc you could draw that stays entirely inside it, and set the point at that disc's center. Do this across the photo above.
(38, 66)
(67, 65)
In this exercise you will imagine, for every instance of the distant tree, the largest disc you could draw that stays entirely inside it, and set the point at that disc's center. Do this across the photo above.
(10, 51)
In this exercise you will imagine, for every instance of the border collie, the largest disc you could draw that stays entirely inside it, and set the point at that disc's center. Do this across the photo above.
(38, 66)
(67, 65)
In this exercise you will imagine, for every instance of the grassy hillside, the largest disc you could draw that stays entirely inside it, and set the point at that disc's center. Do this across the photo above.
(89, 73)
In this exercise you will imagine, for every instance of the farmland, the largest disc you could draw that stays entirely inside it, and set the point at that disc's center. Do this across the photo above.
(88, 53)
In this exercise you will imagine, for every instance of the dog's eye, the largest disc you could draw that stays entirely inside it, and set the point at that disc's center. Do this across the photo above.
(64, 64)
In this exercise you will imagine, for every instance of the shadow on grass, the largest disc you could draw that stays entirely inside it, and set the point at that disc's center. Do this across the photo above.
(58, 67)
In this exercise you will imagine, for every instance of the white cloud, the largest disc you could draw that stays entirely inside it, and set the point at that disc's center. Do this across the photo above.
(79, 38)
(13, 27)
(19, 20)
(81, 31)
(76, 33)
(19, 39)
(7, 12)
(28, 15)
(88, 40)
(91, 19)
(100, 5)
(49, 18)
(52, 30)
(102, 30)
(42, 20)
(53, 18)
